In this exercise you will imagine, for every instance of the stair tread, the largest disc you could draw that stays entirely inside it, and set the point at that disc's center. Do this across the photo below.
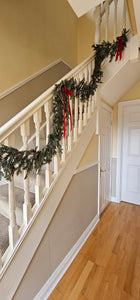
(19, 196)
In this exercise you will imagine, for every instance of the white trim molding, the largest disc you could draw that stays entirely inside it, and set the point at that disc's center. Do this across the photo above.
(114, 199)
(51, 283)
(106, 107)
(85, 167)
(121, 107)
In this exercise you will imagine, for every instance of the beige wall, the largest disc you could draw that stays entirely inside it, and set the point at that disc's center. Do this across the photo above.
(34, 34)
(91, 154)
(86, 31)
(132, 94)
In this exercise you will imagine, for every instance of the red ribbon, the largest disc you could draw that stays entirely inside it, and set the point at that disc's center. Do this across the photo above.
(68, 93)
(119, 49)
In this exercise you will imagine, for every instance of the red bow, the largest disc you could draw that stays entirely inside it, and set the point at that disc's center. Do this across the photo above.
(119, 49)
(68, 93)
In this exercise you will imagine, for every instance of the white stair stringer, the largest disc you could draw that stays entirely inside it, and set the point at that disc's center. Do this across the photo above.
(27, 245)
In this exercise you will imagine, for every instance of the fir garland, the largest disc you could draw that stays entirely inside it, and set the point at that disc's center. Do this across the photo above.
(12, 160)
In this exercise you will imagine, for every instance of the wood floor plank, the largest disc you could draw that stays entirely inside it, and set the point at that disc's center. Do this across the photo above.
(81, 281)
(108, 265)
(70, 278)
(130, 270)
(91, 286)
(55, 295)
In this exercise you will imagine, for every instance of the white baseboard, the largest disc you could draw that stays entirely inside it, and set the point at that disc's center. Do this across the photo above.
(51, 283)
(115, 199)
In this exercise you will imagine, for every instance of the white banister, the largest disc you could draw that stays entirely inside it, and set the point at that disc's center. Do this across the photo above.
(90, 98)
(70, 137)
(115, 18)
(64, 149)
(48, 172)
(25, 131)
(38, 187)
(80, 122)
(85, 103)
(28, 111)
(56, 163)
(76, 115)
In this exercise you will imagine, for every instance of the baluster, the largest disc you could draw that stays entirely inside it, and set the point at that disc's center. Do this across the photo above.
(70, 137)
(124, 14)
(76, 116)
(0, 260)
(89, 101)
(107, 19)
(97, 16)
(80, 122)
(85, 113)
(13, 229)
(85, 103)
(56, 163)
(48, 173)
(25, 131)
(115, 18)
(64, 149)
(92, 97)
(38, 188)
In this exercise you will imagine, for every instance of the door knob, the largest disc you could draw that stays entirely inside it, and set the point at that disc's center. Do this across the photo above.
(101, 170)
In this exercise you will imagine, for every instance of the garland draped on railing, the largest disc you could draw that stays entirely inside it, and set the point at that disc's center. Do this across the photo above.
(12, 160)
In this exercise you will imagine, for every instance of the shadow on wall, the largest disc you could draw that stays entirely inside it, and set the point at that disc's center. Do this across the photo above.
(15, 101)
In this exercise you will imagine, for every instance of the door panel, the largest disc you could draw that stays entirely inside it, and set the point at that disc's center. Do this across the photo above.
(130, 190)
(105, 155)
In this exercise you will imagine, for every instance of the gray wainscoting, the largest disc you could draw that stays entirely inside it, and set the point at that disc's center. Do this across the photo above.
(76, 211)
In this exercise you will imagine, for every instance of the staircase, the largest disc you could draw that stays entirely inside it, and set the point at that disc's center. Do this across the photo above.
(27, 206)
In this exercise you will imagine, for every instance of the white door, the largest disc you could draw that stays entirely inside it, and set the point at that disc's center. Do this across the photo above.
(105, 155)
(130, 188)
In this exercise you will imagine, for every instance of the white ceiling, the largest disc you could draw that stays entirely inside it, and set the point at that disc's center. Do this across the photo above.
(81, 7)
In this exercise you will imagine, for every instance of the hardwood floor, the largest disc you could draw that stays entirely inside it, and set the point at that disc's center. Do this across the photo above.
(108, 265)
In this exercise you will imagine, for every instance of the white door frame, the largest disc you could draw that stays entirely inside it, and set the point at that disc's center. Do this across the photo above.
(121, 108)
(107, 107)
